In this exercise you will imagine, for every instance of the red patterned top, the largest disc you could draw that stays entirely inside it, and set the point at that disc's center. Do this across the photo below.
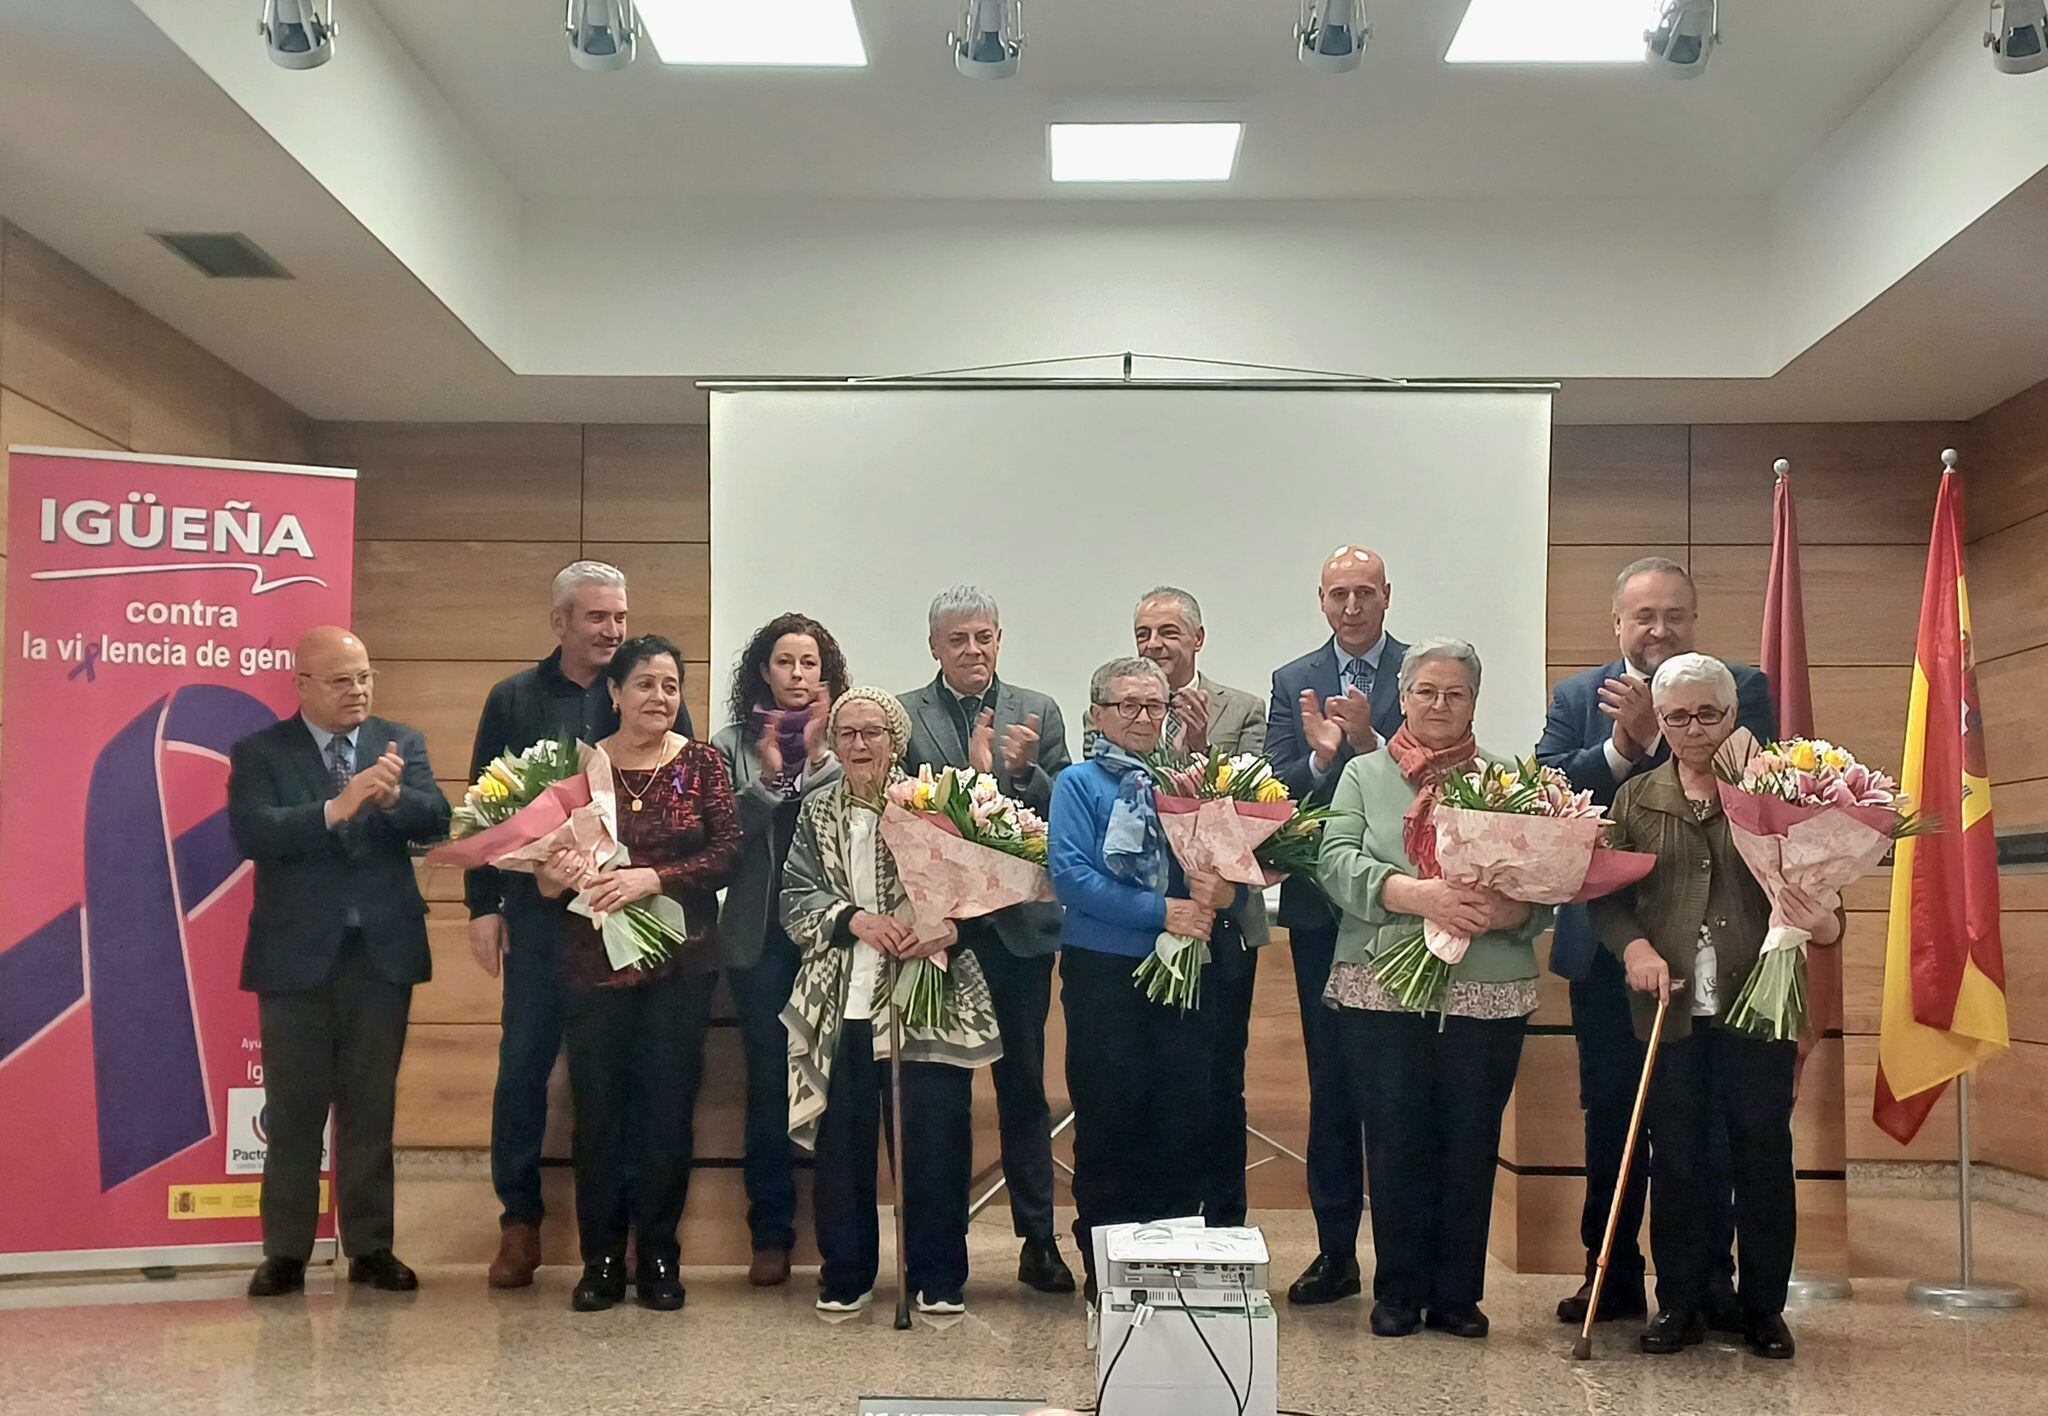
(688, 831)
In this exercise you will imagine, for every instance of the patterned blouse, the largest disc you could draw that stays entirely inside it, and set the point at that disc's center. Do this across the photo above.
(688, 831)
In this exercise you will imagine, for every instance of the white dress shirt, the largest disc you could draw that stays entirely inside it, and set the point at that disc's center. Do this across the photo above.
(863, 826)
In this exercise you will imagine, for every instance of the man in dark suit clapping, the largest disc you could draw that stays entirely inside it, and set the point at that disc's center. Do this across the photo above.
(1328, 706)
(326, 804)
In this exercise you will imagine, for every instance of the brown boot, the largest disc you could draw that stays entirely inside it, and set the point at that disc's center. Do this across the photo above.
(770, 1268)
(518, 1256)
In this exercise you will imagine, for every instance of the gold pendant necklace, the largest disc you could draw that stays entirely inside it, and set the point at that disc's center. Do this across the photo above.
(636, 803)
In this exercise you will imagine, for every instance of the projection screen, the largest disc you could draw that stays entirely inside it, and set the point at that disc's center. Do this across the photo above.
(856, 505)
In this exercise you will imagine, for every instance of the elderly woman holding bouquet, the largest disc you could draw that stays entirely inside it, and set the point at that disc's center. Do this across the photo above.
(1691, 933)
(1432, 1074)
(1137, 1070)
(845, 906)
(636, 1031)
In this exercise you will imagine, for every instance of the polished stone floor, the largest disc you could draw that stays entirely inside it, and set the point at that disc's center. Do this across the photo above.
(195, 1344)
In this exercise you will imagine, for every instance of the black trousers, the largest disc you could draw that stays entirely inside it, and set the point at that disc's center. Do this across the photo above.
(1227, 999)
(336, 1046)
(635, 1058)
(1433, 1100)
(1610, 1068)
(1336, 1145)
(760, 992)
(528, 1044)
(1021, 990)
(1138, 1075)
(1720, 1080)
(937, 1156)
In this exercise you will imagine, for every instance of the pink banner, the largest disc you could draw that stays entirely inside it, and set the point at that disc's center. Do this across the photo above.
(152, 606)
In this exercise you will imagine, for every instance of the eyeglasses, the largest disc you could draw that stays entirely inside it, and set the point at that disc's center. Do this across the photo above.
(1132, 709)
(873, 737)
(1450, 697)
(1705, 717)
(342, 683)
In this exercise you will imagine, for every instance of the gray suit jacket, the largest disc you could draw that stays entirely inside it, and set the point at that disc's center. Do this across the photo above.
(936, 741)
(1237, 723)
(750, 900)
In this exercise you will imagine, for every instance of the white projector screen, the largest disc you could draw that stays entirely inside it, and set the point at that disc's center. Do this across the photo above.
(856, 506)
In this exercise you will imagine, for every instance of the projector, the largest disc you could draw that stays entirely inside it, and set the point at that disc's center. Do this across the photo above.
(1214, 1267)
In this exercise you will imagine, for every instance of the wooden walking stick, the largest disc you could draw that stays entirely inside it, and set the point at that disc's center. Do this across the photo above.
(1583, 1348)
(896, 1158)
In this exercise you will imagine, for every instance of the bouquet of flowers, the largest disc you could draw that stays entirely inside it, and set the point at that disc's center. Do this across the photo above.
(962, 850)
(1803, 813)
(527, 805)
(1230, 816)
(1521, 830)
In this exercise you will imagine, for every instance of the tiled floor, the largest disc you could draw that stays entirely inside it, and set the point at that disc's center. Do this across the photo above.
(108, 1348)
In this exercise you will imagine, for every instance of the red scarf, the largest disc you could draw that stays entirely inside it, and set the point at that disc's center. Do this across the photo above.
(1422, 766)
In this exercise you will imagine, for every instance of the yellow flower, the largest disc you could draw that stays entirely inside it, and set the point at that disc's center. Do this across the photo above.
(491, 789)
(921, 796)
(1272, 789)
(1835, 758)
(1803, 757)
(1224, 772)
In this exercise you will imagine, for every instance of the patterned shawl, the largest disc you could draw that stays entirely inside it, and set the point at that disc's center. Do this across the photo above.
(1134, 843)
(816, 894)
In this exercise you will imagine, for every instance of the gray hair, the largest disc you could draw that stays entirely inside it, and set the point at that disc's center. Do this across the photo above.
(575, 577)
(893, 714)
(1652, 565)
(1190, 609)
(1454, 649)
(958, 600)
(1124, 668)
(1682, 669)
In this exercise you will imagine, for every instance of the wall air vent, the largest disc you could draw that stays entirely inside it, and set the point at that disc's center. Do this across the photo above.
(224, 255)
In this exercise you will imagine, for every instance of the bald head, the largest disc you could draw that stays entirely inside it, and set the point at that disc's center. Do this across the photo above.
(334, 679)
(1355, 595)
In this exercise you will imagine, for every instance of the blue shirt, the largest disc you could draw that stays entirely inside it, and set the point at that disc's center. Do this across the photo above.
(1103, 913)
(322, 737)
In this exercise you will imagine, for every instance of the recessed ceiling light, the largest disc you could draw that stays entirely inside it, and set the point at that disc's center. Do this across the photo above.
(1552, 32)
(1144, 152)
(789, 34)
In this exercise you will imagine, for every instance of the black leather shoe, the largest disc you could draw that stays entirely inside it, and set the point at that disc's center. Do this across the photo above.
(1458, 1319)
(1618, 1299)
(380, 1268)
(1040, 1266)
(658, 1285)
(1391, 1319)
(1326, 1280)
(276, 1277)
(1673, 1330)
(1724, 1312)
(1768, 1336)
(602, 1285)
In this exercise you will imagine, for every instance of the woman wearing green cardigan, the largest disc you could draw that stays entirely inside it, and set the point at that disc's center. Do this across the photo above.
(1431, 1089)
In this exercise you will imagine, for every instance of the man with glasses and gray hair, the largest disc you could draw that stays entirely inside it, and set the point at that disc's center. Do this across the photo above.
(1601, 731)
(967, 717)
(510, 932)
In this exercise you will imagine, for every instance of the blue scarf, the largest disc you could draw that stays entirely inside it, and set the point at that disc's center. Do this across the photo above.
(1134, 845)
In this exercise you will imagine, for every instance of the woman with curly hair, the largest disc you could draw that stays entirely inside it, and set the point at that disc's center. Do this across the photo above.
(775, 750)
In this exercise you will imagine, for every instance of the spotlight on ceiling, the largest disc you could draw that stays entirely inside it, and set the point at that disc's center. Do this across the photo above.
(1684, 37)
(1332, 35)
(990, 37)
(602, 33)
(2018, 37)
(297, 33)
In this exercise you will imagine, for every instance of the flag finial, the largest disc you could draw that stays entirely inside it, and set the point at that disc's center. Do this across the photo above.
(1782, 468)
(1949, 459)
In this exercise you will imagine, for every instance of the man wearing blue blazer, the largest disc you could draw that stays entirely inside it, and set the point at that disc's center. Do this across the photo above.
(1328, 706)
(1600, 732)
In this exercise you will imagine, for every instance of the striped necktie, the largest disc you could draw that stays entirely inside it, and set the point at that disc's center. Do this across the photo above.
(341, 762)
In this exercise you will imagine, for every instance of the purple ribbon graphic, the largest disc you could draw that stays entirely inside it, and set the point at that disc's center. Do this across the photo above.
(148, 1072)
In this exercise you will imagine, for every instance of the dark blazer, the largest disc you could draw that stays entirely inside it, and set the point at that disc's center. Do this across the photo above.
(1575, 742)
(767, 824)
(309, 876)
(1302, 905)
(1029, 931)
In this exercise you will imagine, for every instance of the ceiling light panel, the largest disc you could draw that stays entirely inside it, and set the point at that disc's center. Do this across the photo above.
(785, 34)
(1552, 32)
(1143, 152)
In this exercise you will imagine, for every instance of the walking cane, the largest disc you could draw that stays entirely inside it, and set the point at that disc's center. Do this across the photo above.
(1582, 1350)
(896, 1130)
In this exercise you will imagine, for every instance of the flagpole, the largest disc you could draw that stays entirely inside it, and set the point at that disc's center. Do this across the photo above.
(1965, 1294)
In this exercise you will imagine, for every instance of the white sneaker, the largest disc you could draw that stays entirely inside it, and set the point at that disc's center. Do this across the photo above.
(940, 1306)
(828, 1304)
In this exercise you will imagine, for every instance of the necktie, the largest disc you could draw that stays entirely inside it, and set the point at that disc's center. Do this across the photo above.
(1359, 675)
(1173, 732)
(970, 714)
(341, 762)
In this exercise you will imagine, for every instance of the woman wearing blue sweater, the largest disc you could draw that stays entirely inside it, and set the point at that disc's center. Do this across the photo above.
(1137, 1071)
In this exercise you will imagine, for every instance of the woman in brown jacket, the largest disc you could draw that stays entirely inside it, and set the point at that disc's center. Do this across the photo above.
(1691, 932)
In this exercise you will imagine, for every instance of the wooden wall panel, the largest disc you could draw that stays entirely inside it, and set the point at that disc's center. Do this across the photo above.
(1581, 601)
(1862, 602)
(2009, 589)
(2020, 806)
(182, 399)
(1611, 485)
(456, 600)
(669, 587)
(1864, 707)
(462, 481)
(2007, 462)
(1869, 483)
(2013, 692)
(26, 423)
(65, 339)
(460, 991)
(442, 699)
(266, 428)
(646, 482)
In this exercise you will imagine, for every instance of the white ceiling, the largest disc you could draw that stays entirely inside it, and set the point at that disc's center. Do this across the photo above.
(1405, 125)
(1586, 224)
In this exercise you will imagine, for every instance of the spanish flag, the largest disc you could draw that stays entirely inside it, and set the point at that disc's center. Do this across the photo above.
(1944, 972)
